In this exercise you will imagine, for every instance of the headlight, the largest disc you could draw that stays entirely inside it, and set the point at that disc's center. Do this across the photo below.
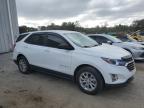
(117, 62)
(137, 48)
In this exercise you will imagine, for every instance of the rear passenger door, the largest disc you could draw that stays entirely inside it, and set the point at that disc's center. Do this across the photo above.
(33, 49)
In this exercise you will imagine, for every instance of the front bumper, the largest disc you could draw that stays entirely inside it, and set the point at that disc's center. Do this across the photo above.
(138, 54)
(123, 73)
(121, 84)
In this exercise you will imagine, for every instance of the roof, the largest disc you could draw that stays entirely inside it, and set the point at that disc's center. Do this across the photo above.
(54, 31)
(98, 35)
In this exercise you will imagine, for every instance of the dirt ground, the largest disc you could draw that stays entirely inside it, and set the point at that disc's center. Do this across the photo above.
(39, 90)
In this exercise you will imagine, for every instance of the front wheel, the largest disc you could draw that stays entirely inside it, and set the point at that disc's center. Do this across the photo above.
(89, 80)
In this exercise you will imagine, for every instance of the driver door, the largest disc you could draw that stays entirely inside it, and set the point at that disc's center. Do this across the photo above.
(57, 58)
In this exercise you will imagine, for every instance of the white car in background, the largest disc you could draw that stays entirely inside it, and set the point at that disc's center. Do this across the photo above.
(137, 50)
(75, 56)
(127, 38)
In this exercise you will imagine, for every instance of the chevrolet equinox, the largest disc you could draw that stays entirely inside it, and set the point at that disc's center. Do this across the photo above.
(75, 56)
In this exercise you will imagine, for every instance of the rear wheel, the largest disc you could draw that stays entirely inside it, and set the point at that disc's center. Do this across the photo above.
(89, 80)
(23, 65)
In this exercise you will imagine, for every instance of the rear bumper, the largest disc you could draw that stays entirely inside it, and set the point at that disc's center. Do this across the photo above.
(121, 84)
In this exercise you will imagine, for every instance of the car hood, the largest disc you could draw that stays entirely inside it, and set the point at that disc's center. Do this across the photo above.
(107, 51)
(128, 44)
(142, 43)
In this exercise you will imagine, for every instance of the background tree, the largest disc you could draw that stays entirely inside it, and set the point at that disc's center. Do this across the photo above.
(75, 26)
(23, 29)
(138, 25)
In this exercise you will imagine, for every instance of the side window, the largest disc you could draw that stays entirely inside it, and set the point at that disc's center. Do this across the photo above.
(56, 41)
(123, 38)
(101, 39)
(21, 37)
(94, 38)
(34, 39)
(49, 40)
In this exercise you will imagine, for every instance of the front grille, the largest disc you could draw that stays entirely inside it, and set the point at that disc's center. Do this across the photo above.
(127, 59)
(131, 66)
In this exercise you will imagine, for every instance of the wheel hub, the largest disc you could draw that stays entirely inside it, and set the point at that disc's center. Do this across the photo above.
(88, 81)
(22, 65)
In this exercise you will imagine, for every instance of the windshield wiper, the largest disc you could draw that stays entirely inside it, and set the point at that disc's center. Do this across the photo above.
(86, 46)
(89, 46)
(118, 42)
(93, 45)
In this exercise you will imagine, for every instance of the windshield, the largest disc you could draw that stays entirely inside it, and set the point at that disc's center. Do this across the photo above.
(126, 39)
(142, 33)
(81, 40)
(114, 39)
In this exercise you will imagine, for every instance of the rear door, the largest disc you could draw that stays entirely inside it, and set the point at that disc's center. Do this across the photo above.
(34, 50)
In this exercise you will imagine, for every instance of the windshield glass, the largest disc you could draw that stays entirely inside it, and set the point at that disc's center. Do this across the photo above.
(126, 39)
(81, 40)
(114, 39)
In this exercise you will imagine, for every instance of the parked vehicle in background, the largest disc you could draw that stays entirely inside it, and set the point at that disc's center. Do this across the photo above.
(75, 56)
(113, 33)
(138, 35)
(136, 50)
(128, 38)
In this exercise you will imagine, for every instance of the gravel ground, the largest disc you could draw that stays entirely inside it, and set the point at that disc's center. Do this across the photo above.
(39, 90)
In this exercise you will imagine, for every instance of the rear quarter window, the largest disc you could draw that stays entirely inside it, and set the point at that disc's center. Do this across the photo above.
(21, 37)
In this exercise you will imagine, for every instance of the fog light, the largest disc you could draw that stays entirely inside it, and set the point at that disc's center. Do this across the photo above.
(114, 77)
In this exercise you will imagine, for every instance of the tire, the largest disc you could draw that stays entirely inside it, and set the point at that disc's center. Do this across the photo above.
(94, 82)
(23, 65)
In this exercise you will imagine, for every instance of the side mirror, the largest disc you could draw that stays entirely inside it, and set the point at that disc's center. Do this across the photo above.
(110, 42)
(65, 46)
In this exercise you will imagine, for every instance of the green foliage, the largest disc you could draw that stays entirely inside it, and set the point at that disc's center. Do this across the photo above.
(75, 26)
(138, 25)
(23, 29)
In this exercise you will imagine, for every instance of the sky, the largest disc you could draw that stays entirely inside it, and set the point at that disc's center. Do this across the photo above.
(89, 13)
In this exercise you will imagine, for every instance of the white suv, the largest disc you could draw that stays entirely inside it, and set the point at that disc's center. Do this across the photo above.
(75, 56)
